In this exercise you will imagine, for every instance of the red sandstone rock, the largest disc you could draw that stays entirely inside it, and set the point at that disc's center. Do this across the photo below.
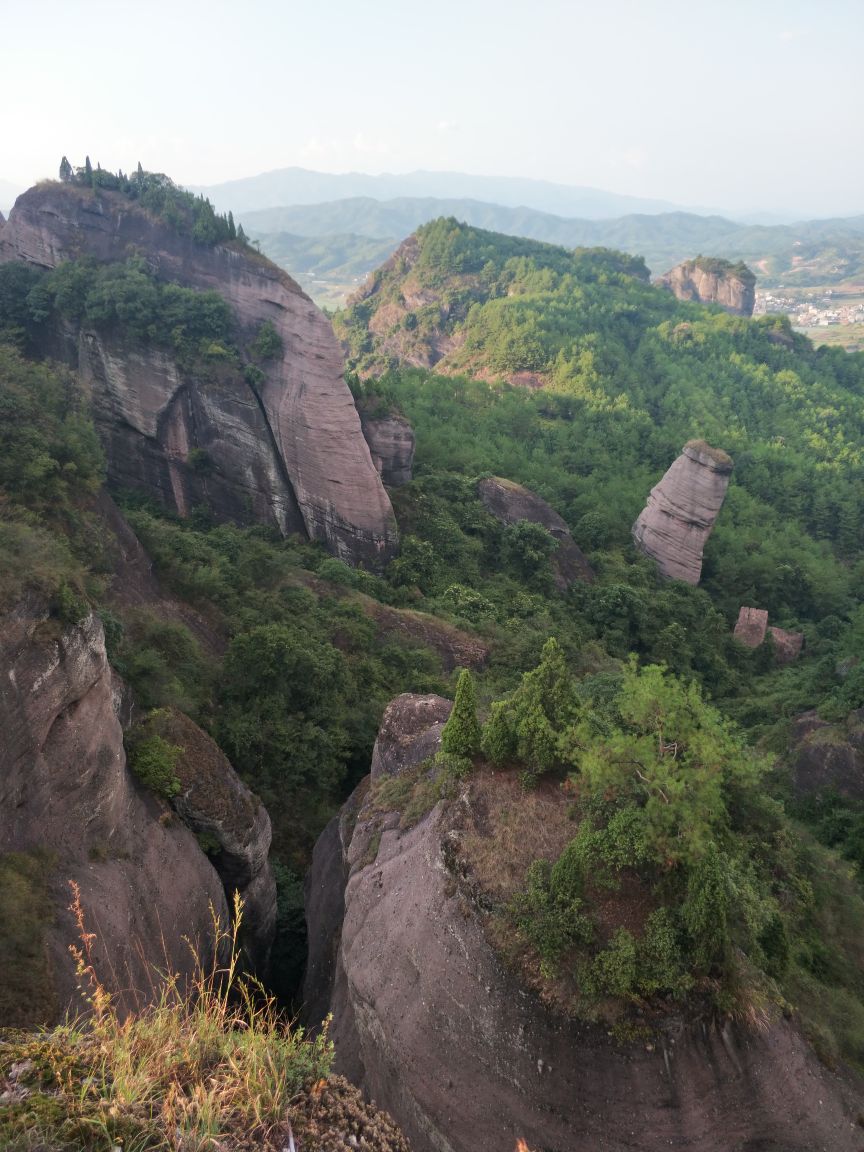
(677, 520)
(713, 281)
(787, 645)
(751, 626)
(292, 446)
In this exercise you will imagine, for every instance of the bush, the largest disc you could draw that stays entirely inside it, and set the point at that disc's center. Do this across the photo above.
(153, 760)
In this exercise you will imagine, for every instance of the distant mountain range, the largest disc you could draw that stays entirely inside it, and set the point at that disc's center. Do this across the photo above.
(302, 186)
(330, 246)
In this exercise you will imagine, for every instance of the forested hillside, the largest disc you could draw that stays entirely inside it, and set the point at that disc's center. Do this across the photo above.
(566, 372)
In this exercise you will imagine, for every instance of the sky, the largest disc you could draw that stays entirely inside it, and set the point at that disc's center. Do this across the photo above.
(742, 105)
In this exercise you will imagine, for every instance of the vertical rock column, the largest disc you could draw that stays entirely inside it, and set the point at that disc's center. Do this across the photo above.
(679, 516)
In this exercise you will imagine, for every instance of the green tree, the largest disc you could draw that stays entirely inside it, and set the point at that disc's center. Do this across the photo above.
(461, 733)
(65, 170)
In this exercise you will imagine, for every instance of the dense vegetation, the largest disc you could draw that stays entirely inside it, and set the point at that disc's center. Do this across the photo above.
(188, 214)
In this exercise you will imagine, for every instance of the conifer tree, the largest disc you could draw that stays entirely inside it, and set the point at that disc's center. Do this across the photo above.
(241, 235)
(88, 168)
(461, 734)
(232, 230)
(65, 170)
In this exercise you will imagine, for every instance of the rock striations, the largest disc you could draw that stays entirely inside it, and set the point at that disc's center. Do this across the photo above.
(510, 502)
(391, 442)
(427, 1020)
(67, 797)
(681, 511)
(710, 280)
(288, 450)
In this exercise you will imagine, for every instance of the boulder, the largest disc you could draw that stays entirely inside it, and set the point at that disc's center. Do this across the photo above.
(410, 733)
(751, 626)
(787, 645)
(288, 449)
(681, 510)
(67, 798)
(391, 442)
(710, 280)
(510, 502)
(434, 1028)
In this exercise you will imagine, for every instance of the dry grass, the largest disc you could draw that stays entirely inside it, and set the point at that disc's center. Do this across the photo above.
(510, 828)
(211, 1066)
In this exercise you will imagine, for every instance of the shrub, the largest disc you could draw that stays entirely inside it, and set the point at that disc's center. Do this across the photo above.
(153, 761)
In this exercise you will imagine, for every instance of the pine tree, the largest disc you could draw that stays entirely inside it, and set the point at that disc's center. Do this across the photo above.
(65, 170)
(241, 235)
(461, 733)
(140, 172)
(88, 168)
(232, 230)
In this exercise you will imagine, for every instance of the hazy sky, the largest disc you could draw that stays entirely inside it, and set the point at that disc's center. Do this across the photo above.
(741, 104)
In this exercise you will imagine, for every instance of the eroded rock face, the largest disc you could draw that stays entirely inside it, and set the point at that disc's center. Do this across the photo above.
(215, 803)
(787, 645)
(433, 1028)
(510, 502)
(65, 789)
(681, 510)
(391, 442)
(713, 281)
(290, 449)
(828, 757)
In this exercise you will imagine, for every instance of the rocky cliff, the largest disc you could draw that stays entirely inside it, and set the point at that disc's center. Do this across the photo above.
(391, 442)
(679, 516)
(68, 799)
(430, 1023)
(510, 502)
(289, 449)
(710, 280)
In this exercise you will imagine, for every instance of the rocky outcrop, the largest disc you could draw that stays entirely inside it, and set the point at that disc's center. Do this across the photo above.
(67, 795)
(510, 503)
(391, 442)
(752, 627)
(410, 733)
(828, 757)
(787, 645)
(681, 511)
(427, 1020)
(710, 280)
(288, 449)
(230, 822)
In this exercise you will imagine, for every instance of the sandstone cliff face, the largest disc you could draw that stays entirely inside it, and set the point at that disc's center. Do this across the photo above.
(679, 516)
(713, 281)
(510, 503)
(65, 790)
(215, 803)
(292, 448)
(466, 1061)
(391, 442)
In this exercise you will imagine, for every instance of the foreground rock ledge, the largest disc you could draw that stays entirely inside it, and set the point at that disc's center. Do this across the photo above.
(431, 1026)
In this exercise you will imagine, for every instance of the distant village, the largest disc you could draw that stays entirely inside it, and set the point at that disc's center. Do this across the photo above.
(820, 310)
